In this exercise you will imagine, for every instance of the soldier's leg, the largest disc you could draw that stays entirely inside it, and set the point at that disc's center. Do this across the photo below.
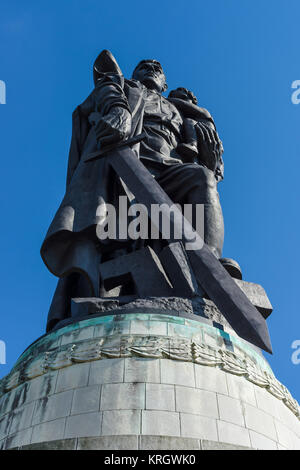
(194, 184)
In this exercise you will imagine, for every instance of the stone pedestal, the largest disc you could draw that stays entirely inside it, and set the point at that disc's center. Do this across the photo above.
(145, 381)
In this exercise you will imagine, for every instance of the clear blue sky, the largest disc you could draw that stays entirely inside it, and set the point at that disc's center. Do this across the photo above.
(239, 57)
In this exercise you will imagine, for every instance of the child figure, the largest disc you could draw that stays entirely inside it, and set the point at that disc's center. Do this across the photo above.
(192, 114)
(189, 148)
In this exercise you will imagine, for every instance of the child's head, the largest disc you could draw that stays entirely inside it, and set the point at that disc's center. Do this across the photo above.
(183, 94)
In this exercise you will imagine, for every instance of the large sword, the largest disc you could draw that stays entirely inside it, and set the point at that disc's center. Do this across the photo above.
(244, 318)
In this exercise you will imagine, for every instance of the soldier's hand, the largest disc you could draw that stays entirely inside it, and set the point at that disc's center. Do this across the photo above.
(113, 127)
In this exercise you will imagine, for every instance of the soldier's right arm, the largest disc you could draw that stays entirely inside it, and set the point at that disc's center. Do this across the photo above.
(112, 116)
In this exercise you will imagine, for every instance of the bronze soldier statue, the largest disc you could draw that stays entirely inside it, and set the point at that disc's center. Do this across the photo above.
(177, 143)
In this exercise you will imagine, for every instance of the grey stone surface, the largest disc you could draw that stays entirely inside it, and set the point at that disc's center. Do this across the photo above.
(73, 377)
(107, 371)
(125, 396)
(61, 444)
(108, 443)
(284, 415)
(53, 407)
(213, 445)
(142, 370)
(4, 426)
(83, 425)
(233, 434)
(49, 431)
(191, 400)
(121, 422)
(14, 399)
(239, 387)
(230, 410)
(86, 399)
(130, 442)
(211, 378)
(285, 436)
(267, 402)
(197, 426)
(41, 386)
(175, 372)
(160, 397)
(296, 442)
(19, 438)
(259, 441)
(160, 423)
(21, 418)
(260, 421)
(168, 443)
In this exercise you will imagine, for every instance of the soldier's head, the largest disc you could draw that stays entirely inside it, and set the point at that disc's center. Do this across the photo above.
(183, 94)
(150, 73)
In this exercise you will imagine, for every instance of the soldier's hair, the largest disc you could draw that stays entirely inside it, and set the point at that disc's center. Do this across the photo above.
(189, 93)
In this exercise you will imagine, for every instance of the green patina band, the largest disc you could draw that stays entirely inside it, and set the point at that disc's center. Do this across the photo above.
(144, 335)
(176, 327)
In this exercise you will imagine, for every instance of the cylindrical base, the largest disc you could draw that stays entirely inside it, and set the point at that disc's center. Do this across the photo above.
(132, 442)
(145, 381)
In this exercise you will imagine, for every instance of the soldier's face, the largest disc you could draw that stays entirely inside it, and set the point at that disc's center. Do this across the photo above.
(150, 75)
